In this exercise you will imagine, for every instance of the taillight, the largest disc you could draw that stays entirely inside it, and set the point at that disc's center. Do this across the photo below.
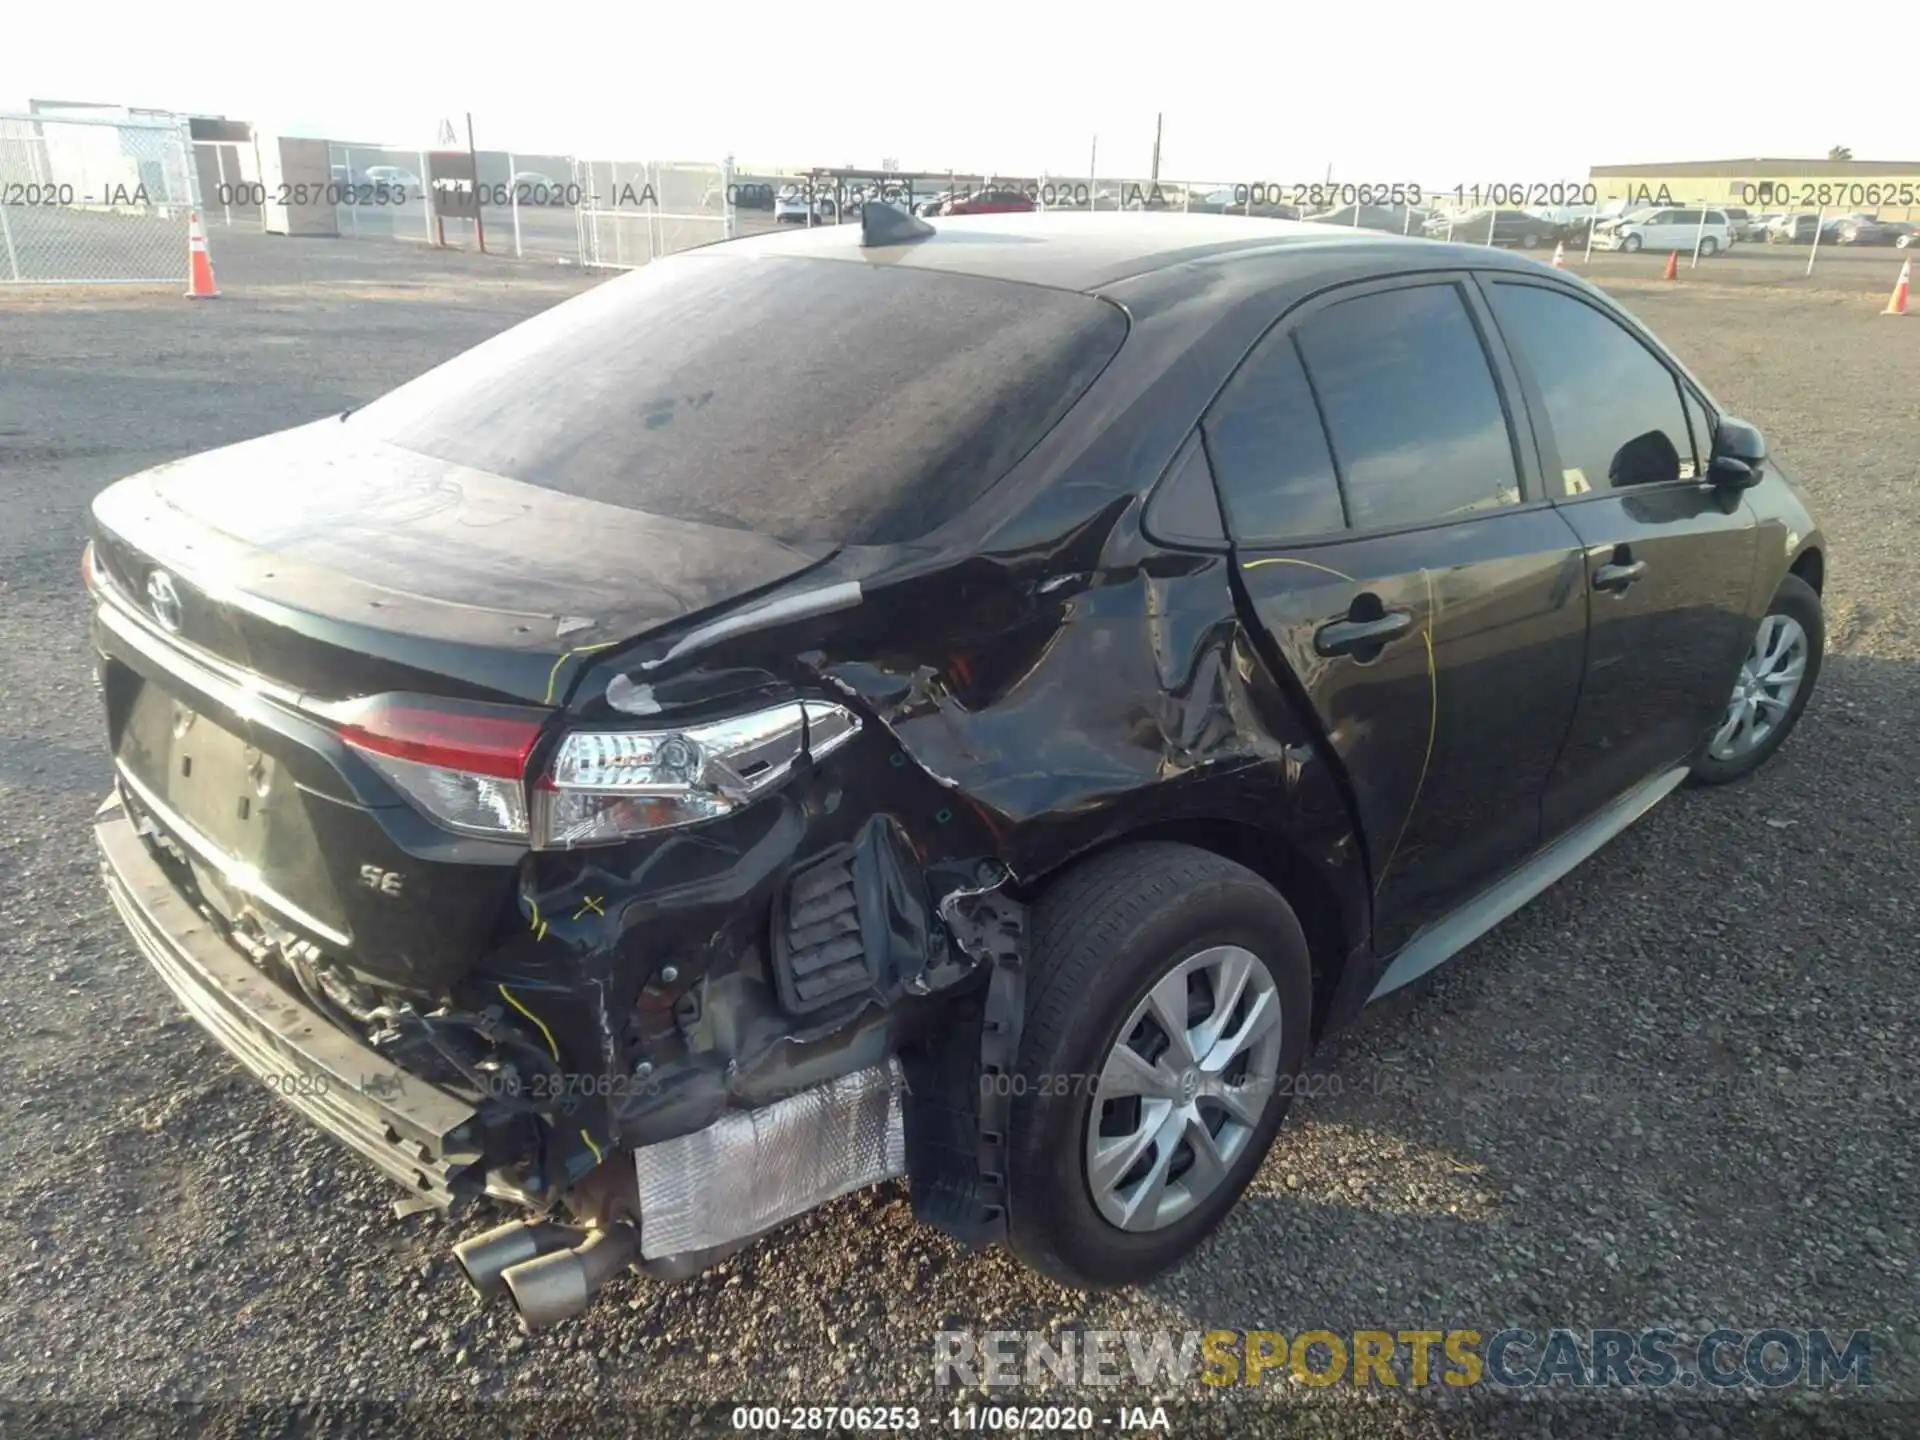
(87, 577)
(606, 786)
(463, 764)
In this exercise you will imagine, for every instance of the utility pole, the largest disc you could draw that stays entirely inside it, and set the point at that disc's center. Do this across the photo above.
(473, 160)
(1157, 119)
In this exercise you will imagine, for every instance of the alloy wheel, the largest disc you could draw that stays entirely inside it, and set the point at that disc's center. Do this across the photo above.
(1183, 1088)
(1769, 678)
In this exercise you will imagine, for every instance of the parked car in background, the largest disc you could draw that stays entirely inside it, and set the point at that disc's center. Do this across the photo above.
(753, 194)
(1394, 219)
(1238, 200)
(351, 183)
(684, 854)
(1799, 228)
(1869, 230)
(1739, 223)
(793, 205)
(535, 187)
(402, 185)
(988, 202)
(1667, 229)
(1518, 228)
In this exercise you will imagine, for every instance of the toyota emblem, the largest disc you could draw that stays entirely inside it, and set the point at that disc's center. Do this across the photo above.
(164, 600)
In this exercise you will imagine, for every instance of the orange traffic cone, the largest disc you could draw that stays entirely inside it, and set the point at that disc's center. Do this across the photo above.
(200, 284)
(1560, 256)
(1673, 265)
(1898, 304)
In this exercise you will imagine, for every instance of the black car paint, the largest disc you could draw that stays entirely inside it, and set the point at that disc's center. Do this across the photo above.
(1051, 673)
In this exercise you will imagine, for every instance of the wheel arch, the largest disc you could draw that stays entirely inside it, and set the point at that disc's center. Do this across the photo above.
(1810, 565)
(1313, 898)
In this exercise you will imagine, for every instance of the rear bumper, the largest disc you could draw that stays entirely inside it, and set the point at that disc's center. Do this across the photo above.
(419, 1135)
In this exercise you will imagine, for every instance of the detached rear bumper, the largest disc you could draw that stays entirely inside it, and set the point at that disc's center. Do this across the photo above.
(421, 1136)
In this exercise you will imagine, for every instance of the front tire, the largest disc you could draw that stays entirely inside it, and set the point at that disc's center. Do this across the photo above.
(1631, 244)
(1775, 682)
(1168, 1009)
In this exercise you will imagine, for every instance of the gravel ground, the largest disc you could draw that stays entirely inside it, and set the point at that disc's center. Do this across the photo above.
(1676, 1090)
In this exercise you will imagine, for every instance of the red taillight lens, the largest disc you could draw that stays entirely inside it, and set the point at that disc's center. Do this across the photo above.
(479, 742)
(86, 566)
(463, 765)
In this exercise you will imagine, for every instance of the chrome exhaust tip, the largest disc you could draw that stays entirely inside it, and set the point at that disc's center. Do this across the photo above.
(485, 1258)
(558, 1286)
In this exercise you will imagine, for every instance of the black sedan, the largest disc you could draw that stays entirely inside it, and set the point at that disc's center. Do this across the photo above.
(1389, 219)
(666, 787)
(1515, 228)
(1870, 230)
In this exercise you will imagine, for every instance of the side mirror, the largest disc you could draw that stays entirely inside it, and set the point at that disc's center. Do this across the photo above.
(1740, 440)
(1738, 450)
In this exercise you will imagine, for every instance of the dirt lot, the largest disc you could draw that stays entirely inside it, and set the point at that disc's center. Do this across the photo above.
(1677, 1090)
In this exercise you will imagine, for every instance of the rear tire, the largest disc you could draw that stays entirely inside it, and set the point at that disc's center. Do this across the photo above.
(1111, 940)
(1709, 248)
(1795, 605)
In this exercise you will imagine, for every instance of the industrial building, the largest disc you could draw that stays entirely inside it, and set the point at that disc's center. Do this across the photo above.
(1766, 184)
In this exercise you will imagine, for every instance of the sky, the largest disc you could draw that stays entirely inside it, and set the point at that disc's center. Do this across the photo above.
(1478, 92)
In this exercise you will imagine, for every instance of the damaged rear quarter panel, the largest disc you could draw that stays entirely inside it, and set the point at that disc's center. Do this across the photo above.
(1037, 681)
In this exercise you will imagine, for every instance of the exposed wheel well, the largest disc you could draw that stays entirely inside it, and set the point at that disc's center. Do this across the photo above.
(1810, 567)
(1312, 899)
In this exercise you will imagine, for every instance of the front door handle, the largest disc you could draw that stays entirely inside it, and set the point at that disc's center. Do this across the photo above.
(1617, 576)
(1348, 637)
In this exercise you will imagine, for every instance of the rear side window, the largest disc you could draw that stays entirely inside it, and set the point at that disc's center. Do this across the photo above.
(1417, 427)
(1269, 454)
(816, 401)
(1613, 406)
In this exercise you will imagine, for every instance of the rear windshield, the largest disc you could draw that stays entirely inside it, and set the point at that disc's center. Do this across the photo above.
(815, 401)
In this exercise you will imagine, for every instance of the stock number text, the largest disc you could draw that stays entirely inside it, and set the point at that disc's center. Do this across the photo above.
(1811, 194)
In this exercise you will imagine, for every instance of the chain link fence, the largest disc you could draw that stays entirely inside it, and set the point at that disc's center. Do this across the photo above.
(93, 201)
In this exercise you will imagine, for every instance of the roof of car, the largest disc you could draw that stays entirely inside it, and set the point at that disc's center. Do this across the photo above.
(1081, 251)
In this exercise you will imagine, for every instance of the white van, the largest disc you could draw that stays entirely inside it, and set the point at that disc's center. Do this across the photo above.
(1667, 228)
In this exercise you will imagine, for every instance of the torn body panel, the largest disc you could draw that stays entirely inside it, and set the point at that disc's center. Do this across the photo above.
(878, 905)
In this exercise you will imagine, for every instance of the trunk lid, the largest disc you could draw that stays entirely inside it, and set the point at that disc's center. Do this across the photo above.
(335, 564)
(313, 566)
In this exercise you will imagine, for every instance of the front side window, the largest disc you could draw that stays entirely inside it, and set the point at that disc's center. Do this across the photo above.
(1417, 428)
(1613, 406)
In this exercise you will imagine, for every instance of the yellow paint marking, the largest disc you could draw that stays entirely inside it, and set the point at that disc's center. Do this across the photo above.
(533, 920)
(1305, 564)
(598, 1153)
(533, 1017)
(593, 904)
(1433, 725)
(553, 675)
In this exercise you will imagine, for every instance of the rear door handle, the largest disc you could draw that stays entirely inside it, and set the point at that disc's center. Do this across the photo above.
(1618, 576)
(1345, 637)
